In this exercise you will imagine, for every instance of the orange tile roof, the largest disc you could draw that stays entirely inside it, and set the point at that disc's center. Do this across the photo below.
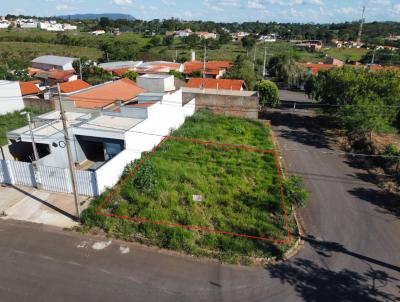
(73, 86)
(106, 94)
(316, 68)
(212, 67)
(120, 72)
(28, 88)
(215, 84)
(59, 75)
(386, 68)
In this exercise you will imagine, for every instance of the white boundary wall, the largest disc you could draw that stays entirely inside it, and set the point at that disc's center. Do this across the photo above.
(163, 118)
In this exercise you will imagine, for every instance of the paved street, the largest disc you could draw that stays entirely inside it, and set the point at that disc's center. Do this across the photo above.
(352, 249)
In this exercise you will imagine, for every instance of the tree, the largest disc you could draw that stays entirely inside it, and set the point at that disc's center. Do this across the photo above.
(177, 74)
(243, 69)
(269, 94)
(363, 117)
(132, 75)
(248, 43)
(155, 41)
(168, 40)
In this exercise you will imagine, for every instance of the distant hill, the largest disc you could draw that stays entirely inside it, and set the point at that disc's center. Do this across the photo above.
(98, 16)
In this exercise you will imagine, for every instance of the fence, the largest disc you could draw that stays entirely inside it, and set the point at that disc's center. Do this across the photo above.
(47, 178)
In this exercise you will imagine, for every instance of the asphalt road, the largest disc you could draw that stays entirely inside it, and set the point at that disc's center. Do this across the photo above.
(352, 249)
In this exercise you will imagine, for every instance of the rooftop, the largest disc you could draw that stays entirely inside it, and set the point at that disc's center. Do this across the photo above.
(110, 123)
(29, 88)
(73, 86)
(105, 94)
(155, 76)
(53, 60)
(120, 64)
(243, 93)
(215, 84)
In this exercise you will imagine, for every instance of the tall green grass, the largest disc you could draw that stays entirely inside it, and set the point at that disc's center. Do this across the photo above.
(239, 189)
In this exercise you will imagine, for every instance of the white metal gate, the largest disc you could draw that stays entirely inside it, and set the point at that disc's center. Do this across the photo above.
(54, 179)
(48, 178)
(22, 173)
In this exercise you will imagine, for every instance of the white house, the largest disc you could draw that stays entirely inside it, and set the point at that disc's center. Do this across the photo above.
(53, 62)
(4, 24)
(98, 32)
(11, 97)
(157, 83)
(104, 141)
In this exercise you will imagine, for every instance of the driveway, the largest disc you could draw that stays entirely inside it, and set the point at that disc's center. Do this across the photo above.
(29, 204)
(351, 251)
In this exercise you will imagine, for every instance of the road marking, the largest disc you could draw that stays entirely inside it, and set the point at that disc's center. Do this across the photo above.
(124, 250)
(101, 245)
(83, 245)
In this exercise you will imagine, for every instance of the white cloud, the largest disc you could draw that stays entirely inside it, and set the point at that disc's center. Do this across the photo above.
(65, 7)
(122, 2)
(396, 8)
(256, 4)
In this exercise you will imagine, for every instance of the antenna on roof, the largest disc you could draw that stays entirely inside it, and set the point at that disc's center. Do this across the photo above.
(205, 61)
(360, 31)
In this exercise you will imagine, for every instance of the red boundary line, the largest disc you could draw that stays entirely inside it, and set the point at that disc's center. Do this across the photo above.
(194, 228)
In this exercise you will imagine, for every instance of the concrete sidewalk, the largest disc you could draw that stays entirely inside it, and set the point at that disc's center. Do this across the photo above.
(29, 204)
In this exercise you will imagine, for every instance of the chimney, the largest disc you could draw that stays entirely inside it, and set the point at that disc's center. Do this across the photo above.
(193, 56)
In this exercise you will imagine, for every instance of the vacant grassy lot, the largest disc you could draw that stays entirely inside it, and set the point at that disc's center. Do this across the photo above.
(239, 189)
(27, 51)
(13, 121)
(344, 54)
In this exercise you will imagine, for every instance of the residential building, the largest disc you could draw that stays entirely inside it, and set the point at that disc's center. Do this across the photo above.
(393, 38)
(103, 96)
(74, 86)
(314, 45)
(30, 88)
(53, 62)
(316, 68)
(183, 33)
(239, 36)
(385, 47)
(4, 24)
(213, 69)
(269, 38)
(157, 83)
(11, 97)
(54, 76)
(206, 35)
(98, 33)
(332, 61)
(103, 139)
(224, 84)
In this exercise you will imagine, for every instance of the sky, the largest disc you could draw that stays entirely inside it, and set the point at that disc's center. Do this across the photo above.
(304, 11)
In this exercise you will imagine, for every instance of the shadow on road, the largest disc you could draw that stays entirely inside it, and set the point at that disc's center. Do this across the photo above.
(302, 128)
(317, 283)
(387, 202)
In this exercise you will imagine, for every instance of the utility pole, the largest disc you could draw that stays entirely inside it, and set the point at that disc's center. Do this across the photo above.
(373, 57)
(265, 59)
(80, 69)
(69, 152)
(205, 61)
(35, 152)
(361, 27)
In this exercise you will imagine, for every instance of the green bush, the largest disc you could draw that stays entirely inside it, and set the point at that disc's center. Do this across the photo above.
(269, 94)
(295, 192)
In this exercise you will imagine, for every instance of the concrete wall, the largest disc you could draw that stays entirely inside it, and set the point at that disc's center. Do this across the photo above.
(154, 83)
(39, 104)
(11, 97)
(227, 102)
(163, 117)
